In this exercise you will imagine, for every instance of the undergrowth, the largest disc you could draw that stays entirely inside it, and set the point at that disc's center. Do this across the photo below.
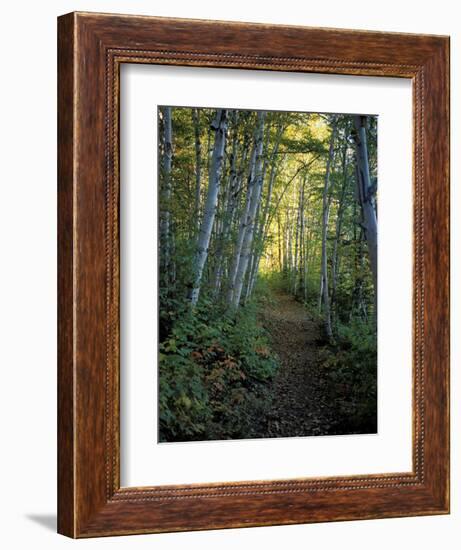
(351, 366)
(215, 368)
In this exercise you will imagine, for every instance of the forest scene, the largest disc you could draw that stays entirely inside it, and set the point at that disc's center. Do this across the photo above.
(267, 258)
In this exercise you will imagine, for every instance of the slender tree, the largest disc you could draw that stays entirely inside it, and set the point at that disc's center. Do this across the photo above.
(198, 166)
(325, 292)
(230, 204)
(243, 224)
(219, 125)
(253, 207)
(339, 222)
(365, 195)
(165, 214)
(263, 223)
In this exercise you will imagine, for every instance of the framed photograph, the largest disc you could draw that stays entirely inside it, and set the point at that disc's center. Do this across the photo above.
(253, 259)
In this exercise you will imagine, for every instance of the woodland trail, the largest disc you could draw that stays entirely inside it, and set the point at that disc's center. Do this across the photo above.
(301, 398)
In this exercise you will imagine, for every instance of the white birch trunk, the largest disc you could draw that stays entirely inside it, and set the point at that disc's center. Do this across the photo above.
(219, 125)
(302, 259)
(297, 243)
(264, 222)
(165, 216)
(242, 230)
(254, 204)
(365, 196)
(339, 221)
(230, 205)
(325, 293)
(198, 166)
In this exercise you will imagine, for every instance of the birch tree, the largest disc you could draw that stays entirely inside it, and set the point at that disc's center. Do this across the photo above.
(230, 203)
(365, 195)
(263, 225)
(242, 229)
(253, 207)
(198, 166)
(325, 292)
(219, 126)
(165, 215)
(339, 222)
(302, 247)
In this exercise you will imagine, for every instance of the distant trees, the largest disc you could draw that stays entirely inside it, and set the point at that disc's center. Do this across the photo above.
(289, 195)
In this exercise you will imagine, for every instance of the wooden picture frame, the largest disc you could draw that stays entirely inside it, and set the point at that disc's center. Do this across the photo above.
(91, 49)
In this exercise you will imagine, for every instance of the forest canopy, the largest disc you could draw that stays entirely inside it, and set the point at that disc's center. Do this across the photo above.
(266, 213)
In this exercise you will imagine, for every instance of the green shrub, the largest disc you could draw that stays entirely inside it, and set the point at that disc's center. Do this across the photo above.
(214, 372)
(352, 369)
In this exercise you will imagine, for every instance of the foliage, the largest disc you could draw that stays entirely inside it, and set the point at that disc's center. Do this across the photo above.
(352, 370)
(257, 215)
(214, 374)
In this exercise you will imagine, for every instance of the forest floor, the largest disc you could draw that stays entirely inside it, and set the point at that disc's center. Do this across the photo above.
(301, 395)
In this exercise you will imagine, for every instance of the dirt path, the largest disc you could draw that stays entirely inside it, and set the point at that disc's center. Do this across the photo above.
(300, 406)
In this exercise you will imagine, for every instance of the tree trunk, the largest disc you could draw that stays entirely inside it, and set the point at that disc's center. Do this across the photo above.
(230, 204)
(325, 292)
(219, 125)
(339, 221)
(298, 240)
(302, 248)
(279, 242)
(250, 222)
(242, 229)
(365, 196)
(264, 222)
(198, 167)
(165, 215)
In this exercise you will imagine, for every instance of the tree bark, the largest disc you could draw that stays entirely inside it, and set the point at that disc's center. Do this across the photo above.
(219, 125)
(298, 238)
(302, 248)
(339, 221)
(264, 222)
(242, 230)
(198, 166)
(254, 204)
(232, 189)
(165, 215)
(325, 292)
(365, 191)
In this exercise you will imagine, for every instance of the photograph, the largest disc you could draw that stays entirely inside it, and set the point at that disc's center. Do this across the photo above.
(267, 274)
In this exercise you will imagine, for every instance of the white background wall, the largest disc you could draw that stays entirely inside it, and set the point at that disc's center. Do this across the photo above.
(28, 271)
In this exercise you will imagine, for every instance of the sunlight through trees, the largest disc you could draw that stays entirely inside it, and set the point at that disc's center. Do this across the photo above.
(249, 202)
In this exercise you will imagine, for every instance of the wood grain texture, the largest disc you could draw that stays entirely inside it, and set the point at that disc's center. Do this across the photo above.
(91, 48)
(66, 487)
